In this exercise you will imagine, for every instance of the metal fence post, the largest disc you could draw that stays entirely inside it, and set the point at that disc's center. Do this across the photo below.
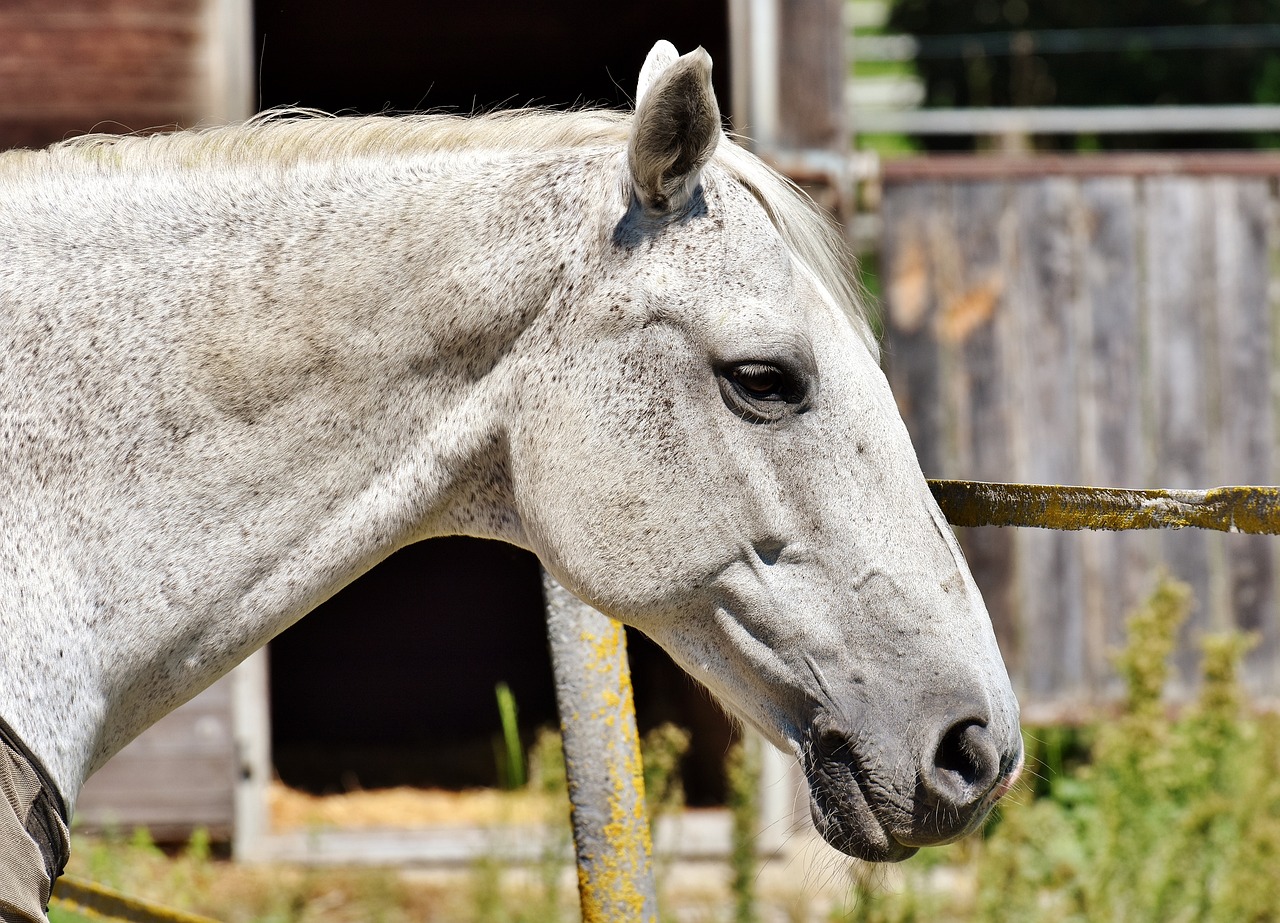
(602, 760)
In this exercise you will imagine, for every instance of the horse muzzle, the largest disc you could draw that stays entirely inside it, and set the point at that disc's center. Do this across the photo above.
(872, 801)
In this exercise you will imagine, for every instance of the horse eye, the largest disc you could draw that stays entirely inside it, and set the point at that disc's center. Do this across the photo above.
(761, 381)
(761, 392)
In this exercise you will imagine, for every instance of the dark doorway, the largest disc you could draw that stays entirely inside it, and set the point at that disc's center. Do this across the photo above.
(399, 55)
(392, 681)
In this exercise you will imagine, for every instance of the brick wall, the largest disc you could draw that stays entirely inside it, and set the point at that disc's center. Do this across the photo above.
(98, 65)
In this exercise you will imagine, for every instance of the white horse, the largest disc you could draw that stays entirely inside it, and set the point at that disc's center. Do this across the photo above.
(242, 366)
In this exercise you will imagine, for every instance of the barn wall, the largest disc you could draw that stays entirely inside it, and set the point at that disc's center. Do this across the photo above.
(1107, 322)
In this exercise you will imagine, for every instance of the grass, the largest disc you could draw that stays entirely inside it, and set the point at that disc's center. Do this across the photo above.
(193, 879)
(1149, 815)
(510, 755)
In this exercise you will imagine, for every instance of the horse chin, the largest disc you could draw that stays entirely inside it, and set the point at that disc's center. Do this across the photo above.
(844, 816)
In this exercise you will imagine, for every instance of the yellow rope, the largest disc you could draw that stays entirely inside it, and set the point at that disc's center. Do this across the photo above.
(94, 900)
(1048, 506)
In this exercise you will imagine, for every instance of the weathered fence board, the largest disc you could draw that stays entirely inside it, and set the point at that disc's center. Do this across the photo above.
(911, 304)
(179, 775)
(979, 377)
(1112, 449)
(1104, 321)
(1045, 430)
(1241, 222)
(1176, 254)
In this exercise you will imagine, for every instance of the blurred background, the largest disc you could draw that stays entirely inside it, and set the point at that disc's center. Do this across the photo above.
(1066, 76)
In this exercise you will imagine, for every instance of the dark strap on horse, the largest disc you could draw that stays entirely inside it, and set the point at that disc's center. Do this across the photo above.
(47, 810)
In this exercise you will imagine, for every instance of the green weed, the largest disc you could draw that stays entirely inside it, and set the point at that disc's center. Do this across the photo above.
(511, 765)
(1171, 817)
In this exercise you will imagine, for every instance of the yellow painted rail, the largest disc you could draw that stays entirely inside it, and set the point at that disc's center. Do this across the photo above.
(1051, 506)
(94, 900)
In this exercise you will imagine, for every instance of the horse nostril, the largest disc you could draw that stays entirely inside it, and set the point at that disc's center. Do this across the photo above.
(965, 764)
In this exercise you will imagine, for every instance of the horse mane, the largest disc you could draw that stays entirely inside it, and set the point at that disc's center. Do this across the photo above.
(809, 232)
(284, 137)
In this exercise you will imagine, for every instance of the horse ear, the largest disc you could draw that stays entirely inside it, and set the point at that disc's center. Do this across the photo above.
(661, 56)
(676, 127)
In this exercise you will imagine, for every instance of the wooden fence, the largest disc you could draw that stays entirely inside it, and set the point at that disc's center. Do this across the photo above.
(181, 774)
(1103, 321)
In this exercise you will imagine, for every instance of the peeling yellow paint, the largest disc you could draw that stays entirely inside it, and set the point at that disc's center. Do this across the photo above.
(609, 866)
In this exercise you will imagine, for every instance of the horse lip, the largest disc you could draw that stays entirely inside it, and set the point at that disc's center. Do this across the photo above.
(1007, 780)
(871, 841)
(1006, 783)
(861, 832)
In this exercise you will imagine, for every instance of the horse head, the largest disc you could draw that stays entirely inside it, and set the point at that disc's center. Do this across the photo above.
(719, 462)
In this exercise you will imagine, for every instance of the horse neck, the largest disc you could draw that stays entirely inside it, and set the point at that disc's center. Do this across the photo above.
(273, 408)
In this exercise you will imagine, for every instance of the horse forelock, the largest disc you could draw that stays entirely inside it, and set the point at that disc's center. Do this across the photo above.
(284, 137)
